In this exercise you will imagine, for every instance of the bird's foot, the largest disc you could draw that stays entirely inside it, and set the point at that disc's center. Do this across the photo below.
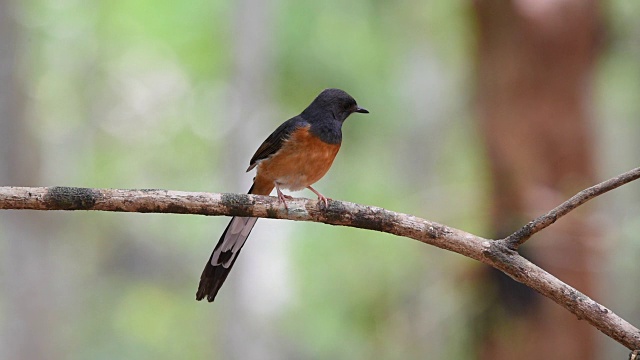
(324, 200)
(283, 198)
(321, 198)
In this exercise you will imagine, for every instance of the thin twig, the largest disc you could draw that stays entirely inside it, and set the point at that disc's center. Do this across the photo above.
(523, 234)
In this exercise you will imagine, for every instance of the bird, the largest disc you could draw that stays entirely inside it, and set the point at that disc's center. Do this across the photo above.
(295, 156)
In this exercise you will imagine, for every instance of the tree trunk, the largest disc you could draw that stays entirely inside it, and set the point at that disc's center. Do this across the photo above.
(250, 119)
(29, 321)
(535, 61)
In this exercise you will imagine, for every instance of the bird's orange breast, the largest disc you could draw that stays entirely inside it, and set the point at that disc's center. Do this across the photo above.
(302, 160)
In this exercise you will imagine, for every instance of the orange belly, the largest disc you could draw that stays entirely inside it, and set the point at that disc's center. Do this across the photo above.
(302, 160)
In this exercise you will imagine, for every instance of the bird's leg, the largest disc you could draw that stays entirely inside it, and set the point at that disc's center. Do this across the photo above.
(321, 197)
(282, 197)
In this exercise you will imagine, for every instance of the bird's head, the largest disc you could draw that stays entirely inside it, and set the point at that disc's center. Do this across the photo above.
(335, 102)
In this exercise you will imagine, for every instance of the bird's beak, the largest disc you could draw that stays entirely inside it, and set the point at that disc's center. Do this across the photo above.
(361, 110)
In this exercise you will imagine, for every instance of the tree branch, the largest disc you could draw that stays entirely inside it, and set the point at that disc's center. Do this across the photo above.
(523, 234)
(494, 253)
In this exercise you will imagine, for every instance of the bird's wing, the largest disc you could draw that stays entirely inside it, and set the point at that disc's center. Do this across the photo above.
(275, 141)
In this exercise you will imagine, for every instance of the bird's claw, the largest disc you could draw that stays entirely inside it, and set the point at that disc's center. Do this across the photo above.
(283, 198)
(323, 200)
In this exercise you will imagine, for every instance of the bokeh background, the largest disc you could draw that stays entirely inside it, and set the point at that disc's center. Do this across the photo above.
(484, 114)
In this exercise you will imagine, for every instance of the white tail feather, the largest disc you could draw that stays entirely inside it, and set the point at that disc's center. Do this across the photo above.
(234, 238)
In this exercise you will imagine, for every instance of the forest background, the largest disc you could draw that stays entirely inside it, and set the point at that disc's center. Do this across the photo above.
(483, 115)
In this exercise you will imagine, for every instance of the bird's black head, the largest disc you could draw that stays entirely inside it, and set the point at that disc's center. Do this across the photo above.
(335, 102)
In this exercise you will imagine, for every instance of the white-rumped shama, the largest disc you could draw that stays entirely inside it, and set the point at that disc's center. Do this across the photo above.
(296, 155)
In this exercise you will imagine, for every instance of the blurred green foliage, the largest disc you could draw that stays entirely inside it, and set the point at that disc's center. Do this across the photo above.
(134, 94)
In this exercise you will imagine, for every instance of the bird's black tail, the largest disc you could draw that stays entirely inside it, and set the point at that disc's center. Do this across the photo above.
(224, 256)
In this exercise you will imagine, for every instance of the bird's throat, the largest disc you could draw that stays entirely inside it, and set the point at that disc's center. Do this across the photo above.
(329, 131)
